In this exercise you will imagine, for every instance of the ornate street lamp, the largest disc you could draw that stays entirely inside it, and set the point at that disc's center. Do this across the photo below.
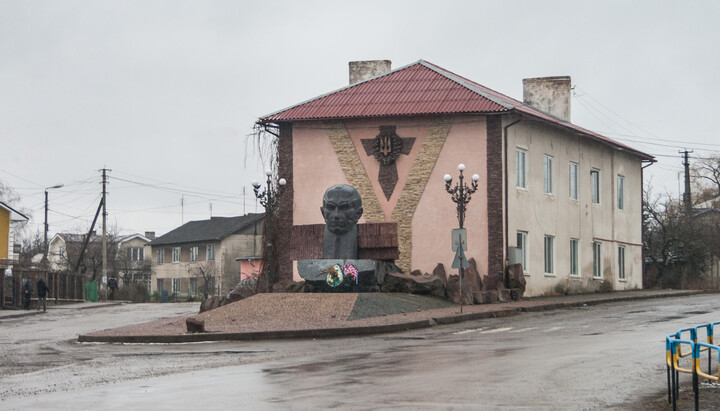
(461, 192)
(461, 195)
(269, 200)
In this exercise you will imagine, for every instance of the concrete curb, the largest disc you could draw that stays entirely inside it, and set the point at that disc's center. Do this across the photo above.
(380, 329)
(12, 314)
(260, 335)
(23, 313)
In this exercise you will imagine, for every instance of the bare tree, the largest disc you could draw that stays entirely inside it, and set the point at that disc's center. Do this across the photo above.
(676, 242)
(205, 272)
(707, 170)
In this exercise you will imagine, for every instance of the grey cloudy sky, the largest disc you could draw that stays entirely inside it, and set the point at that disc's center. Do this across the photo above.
(165, 93)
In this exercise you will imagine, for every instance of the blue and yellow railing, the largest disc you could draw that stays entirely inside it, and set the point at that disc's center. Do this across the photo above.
(684, 343)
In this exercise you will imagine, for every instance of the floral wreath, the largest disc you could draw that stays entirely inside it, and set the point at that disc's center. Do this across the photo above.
(335, 274)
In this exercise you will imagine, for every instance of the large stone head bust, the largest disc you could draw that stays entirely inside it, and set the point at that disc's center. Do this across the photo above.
(342, 208)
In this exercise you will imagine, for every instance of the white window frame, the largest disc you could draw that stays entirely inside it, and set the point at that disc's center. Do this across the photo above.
(210, 252)
(597, 259)
(573, 171)
(193, 253)
(549, 248)
(548, 174)
(621, 262)
(595, 182)
(522, 244)
(620, 192)
(574, 257)
(176, 255)
(160, 257)
(175, 286)
(521, 169)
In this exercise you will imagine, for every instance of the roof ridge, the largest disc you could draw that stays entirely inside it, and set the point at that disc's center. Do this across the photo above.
(340, 89)
(464, 82)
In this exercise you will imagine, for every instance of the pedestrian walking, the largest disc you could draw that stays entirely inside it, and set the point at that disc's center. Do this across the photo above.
(27, 293)
(42, 290)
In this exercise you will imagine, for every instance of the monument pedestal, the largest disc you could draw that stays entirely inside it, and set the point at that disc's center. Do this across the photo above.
(315, 272)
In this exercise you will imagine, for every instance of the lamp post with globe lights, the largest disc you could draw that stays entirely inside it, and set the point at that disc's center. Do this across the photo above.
(461, 194)
(269, 200)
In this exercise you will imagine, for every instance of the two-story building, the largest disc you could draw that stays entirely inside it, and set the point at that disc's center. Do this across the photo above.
(203, 253)
(563, 201)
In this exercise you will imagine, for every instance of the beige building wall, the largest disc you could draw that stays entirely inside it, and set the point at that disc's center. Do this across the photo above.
(539, 214)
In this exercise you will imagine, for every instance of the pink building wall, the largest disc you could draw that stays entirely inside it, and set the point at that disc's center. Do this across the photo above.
(316, 166)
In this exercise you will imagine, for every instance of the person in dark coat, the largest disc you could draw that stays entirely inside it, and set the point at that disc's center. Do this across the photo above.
(27, 294)
(42, 290)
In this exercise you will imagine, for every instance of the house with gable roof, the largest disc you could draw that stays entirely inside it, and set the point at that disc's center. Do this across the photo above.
(563, 201)
(222, 251)
(9, 250)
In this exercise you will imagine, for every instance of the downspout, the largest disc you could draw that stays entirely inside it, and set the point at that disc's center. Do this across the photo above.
(507, 209)
(642, 223)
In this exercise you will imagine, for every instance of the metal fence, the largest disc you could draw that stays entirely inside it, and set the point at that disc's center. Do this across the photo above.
(64, 287)
(685, 344)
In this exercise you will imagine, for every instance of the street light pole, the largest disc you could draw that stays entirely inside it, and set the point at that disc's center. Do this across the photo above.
(269, 200)
(45, 244)
(461, 195)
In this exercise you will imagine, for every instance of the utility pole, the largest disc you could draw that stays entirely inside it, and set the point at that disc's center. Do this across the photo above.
(182, 209)
(687, 199)
(104, 224)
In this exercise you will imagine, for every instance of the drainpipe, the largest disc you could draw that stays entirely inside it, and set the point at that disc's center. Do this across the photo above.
(643, 272)
(507, 234)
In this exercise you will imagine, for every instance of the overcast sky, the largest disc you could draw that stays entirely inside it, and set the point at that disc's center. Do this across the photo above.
(165, 93)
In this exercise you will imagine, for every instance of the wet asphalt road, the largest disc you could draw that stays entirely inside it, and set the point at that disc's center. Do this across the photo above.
(594, 357)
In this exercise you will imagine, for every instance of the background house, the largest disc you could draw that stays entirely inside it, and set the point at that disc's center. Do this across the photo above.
(64, 252)
(9, 249)
(563, 201)
(200, 256)
(133, 262)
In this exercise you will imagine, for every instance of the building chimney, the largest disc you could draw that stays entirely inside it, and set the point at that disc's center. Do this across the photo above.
(363, 70)
(150, 235)
(549, 94)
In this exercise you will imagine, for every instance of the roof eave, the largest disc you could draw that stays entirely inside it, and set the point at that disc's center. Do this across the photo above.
(643, 156)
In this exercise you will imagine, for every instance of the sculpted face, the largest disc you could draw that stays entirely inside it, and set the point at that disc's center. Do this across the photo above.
(342, 208)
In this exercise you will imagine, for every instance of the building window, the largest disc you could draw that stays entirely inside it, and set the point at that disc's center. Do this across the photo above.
(574, 254)
(194, 253)
(522, 245)
(547, 174)
(175, 285)
(176, 255)
(160, 259)
(549, 254)
(595, 185)
(210, 252)
(573, 181)
(160, 284)
(135, 253)
(597, 259)
(520, 168)
(621, 262)
(193, 286)
(621, 192)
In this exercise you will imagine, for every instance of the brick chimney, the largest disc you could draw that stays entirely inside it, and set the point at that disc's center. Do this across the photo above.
(150, 235)
(363, 70)
(549, 94)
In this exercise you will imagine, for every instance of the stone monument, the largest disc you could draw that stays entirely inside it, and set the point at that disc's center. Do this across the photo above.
(341, 209)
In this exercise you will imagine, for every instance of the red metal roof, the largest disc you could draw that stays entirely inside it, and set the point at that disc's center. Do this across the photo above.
(417, 89)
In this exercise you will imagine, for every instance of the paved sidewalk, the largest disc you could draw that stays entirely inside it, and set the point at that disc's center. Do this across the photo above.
(298, 321)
